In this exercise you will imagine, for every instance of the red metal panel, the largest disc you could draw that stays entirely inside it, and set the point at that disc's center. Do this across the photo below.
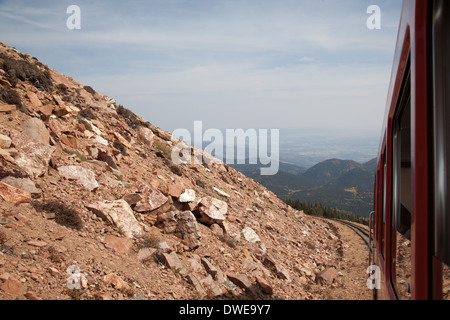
(420, 131)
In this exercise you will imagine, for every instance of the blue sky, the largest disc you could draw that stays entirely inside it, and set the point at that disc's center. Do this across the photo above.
(306, 64)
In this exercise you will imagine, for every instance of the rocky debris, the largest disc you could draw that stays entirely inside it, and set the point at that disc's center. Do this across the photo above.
(120, 214)
(13, 195)
(83, 176)
(33, 157)
(212, 210)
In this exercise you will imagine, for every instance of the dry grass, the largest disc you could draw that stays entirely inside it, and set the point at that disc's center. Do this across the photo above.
(64, 215)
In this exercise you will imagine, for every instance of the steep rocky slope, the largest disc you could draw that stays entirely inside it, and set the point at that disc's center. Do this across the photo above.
(92, 207)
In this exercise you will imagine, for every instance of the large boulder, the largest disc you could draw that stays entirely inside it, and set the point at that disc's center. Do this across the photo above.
(83, 176)
(151, 200)
(146, 136)
(120, 214)
(182, 224)
(212, 210)
(25, 184)
(33, 157)
(37, 130)
(13, 194)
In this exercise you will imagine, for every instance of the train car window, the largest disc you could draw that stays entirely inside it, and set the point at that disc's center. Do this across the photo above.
(441, 67)
(402, 190)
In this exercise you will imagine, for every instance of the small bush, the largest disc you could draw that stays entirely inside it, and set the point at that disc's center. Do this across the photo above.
(10, 96)
(64, 215)
(80, 156)
(130, 118)
(26, 71)
(119, 146)
(87, 114)
(149, 240)
(164, 148)
(61, 89)
(89, 89)
(86, 124)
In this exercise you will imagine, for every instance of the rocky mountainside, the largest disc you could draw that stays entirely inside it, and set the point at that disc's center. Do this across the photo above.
(92, 207)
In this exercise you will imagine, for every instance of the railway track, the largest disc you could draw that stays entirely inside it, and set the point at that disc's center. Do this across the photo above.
(359, 230)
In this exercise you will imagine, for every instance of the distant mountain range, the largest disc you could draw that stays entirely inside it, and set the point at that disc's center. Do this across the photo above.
(344, 184)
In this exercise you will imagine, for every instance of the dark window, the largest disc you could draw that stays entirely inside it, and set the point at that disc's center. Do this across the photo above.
(402, 193)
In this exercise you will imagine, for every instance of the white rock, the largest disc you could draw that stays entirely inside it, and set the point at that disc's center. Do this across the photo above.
(212, 210)
(33, 157)
(187, 196)
(101, 140)
(222, 193)
(5, 142)
(250, 235)
(120, 214)
(83, 176)
(145, 135)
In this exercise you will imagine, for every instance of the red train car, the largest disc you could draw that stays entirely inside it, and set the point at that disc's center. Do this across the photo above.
(410, 225)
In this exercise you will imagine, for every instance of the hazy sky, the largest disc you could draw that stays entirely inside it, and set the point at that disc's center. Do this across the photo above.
(272, 64)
